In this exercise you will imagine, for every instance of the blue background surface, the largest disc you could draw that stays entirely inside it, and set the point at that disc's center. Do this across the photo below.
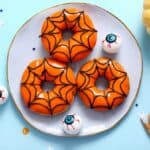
(129, 134)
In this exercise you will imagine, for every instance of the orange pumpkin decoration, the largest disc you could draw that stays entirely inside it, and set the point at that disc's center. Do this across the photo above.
(146, 15)
(79, 45)
(114, 95)
(51, 102)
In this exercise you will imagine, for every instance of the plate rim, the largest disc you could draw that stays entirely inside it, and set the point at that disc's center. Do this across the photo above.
(139, 84)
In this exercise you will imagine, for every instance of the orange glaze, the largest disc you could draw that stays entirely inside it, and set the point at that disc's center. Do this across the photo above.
(50, 102)
(79, 45)
(114, 95)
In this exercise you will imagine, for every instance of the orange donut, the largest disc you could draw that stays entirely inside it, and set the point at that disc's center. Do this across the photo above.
(79, 45)
(50, 102)
(98, 99)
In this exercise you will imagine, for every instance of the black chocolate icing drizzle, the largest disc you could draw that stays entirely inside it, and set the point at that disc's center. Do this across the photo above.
(63, 88)
(56, 30)
(86, 89)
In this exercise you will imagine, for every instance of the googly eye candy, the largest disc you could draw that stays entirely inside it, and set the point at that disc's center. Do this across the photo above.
(3, 95)
(72, 124)
(111, 43)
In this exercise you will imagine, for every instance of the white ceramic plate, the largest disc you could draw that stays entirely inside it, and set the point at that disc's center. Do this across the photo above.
(21, 54)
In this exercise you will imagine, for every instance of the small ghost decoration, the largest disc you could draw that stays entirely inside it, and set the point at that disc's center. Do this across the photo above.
(3, 95)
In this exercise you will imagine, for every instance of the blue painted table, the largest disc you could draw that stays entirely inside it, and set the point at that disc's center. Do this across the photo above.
(129, 134)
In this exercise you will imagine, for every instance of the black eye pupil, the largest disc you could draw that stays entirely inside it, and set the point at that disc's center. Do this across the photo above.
(110, 38)
(1, 93)
(69, 119)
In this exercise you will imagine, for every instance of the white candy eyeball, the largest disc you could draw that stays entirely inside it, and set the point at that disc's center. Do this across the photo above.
(72, 124)
(111, 43)
(3, 95)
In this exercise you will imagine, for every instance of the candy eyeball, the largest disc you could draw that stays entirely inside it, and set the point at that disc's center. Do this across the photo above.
(111, 43)
(72, 124)
(3, 95)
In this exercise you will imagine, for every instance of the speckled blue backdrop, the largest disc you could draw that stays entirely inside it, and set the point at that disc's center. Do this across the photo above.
(129, 134)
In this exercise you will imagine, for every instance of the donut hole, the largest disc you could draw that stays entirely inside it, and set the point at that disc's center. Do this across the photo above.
(67, 34)
(47, 86)
(102, 83)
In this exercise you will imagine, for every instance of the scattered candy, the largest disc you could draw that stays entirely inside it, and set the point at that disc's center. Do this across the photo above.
(136, 105)
(72, 124)
(25, 131)
(3, 95)
(33, 48)
(112, 43)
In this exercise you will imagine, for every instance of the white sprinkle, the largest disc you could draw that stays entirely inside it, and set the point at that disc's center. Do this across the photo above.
(1, 23)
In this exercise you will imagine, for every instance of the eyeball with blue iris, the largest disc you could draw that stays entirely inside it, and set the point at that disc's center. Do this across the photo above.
(3, 95)
(72, 124)
(111, 43)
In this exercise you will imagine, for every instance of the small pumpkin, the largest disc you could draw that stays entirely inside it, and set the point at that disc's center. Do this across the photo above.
(146, 15)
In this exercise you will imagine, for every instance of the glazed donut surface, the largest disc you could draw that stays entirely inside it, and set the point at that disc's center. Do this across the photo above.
(50, 102)
(98, 99)
(79, 45)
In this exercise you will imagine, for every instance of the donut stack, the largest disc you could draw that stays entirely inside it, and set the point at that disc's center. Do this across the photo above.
(56, 68)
